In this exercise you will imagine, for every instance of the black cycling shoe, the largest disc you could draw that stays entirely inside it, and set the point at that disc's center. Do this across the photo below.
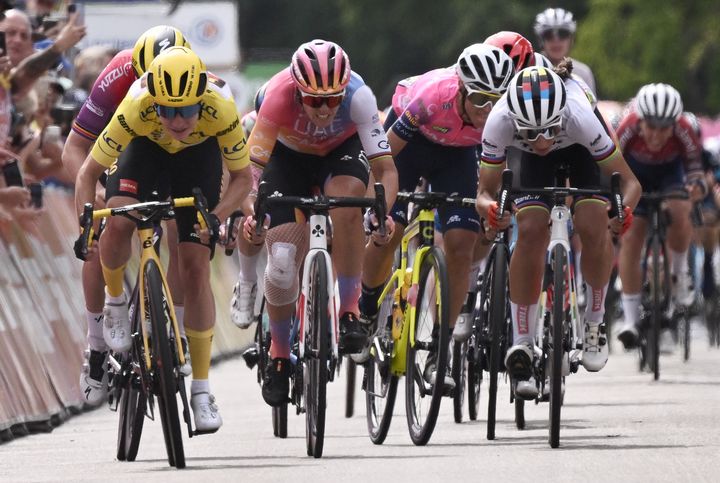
(276, 382)
(353, 334)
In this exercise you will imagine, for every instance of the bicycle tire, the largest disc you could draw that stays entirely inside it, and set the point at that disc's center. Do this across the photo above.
(474, 383)
(520, 413)
(498, 320)
(558, 348)
(656, 308)
(459, 373)
(350, 372)
(421, 430)
(316, 365)
(279, 421)
(379, 379)
(164, 365)
(131, 409)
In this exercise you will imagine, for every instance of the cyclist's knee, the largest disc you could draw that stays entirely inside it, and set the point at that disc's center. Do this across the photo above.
(286, 250)
(533, 226)
(459, 244)
(118, 228)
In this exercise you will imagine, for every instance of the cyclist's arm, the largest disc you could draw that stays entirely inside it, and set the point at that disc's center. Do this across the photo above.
(87, 177)
(262, 141)
(629, 185)
(237, 190)
(489, 182)
(74, 153)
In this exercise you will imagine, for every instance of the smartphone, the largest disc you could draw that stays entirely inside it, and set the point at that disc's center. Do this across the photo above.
(36, 194)
(2, 42)
(71, 8)
(11, 171)
(49, 23)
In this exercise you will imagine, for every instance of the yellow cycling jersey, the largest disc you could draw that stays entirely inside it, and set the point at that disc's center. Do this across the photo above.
(136, 116)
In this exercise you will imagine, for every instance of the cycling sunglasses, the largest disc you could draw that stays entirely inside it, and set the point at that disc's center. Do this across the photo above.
(481, 99)
(562, 34)
(318, 101)
(547, 133)
(659, 123)
(186, 112)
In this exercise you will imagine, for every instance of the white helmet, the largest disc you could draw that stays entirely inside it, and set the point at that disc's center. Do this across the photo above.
(485, 68)
(542, 61)
(536, 98)
(554, 19)
(659, 103)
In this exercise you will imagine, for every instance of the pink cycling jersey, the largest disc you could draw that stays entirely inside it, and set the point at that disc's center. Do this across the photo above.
(281, 118)
(428, 103)
(109, 90)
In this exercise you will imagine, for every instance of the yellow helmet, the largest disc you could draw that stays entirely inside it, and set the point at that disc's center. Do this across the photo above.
(177, 77)
(152, 42)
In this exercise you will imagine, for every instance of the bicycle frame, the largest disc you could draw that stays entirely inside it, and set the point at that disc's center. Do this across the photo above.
(318, 248)
(146, 233)
(403, 326)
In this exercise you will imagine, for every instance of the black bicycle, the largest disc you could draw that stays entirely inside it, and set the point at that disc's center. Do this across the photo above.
(657, 282)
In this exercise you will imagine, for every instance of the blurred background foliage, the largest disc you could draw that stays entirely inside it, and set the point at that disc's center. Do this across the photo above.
(627, 43)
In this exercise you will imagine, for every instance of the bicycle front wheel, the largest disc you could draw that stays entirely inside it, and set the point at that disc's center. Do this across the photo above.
(559, 265)
(427, 358)
(459, 374)
(164, 365)
(316, 357)
(131, 410)
(351, 371)
(498, 321)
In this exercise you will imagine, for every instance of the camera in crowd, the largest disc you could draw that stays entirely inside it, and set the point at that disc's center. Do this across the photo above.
(63, 115)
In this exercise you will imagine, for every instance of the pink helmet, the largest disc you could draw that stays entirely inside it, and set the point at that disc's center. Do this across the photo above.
(320, 67)
(514, 45)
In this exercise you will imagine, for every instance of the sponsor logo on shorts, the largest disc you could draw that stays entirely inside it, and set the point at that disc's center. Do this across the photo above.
(454, 219)
(128, 185)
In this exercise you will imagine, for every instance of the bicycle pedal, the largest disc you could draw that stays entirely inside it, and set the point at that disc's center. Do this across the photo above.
(251, 357)
(201, 433)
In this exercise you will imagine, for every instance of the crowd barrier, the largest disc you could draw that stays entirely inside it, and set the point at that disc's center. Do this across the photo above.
(42, 318)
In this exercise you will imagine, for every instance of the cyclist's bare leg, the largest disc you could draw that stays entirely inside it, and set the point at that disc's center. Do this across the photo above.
(116, 246)
(348, 241)
(459, 246)
(598, 254)
(679, 233)
(526, 270)
(630, 271)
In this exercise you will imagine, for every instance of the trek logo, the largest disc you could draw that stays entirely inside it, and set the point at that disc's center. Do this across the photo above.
(128, 186)
(522, 318)
(597, 298)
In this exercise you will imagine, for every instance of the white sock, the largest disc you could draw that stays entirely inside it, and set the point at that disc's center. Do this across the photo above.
(679, 262)
(95, 331)
(595, 305)
(114, 300)
(248, 267)
(524, 318)
(180, 316)
(200, 385)
(631, 307)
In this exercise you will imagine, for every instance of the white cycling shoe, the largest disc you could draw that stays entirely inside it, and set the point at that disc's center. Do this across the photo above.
(595, 347)
(242, 303)
(205, 412)
(116, 325)
(94, 378)
(519, 363)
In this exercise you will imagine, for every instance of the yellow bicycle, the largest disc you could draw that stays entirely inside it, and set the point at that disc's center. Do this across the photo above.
(413, 335)
(151, 368)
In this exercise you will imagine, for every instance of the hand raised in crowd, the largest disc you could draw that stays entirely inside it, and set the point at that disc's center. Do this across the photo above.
(14, 196)
(71, 34)
(5, 64)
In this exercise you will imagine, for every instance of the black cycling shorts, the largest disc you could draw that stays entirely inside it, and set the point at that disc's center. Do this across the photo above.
(297, 174)
(539, 172)
(145, 167)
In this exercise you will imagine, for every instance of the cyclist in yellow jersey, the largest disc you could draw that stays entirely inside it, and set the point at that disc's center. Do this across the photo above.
(177, 125)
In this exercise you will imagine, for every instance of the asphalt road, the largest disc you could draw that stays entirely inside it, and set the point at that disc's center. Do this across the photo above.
(618, 425)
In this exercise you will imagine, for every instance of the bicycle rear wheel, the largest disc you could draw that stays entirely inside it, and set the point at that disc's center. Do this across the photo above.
(559, 261)
(520, 413)
(429, 353)
(350, 372)
(498, 321)
(164, 365)
(380, 383)
(316, 357)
